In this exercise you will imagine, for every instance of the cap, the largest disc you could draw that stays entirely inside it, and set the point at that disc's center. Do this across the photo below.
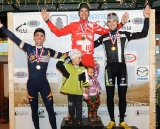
(112, 16)
(74, 53)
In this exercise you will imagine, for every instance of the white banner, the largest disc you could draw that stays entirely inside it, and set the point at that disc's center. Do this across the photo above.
(137, 98)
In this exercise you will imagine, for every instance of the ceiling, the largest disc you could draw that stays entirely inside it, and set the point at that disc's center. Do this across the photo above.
(72, 5)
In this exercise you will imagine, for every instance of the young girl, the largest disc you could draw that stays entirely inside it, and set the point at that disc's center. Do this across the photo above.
(74, 79)
(92, 98)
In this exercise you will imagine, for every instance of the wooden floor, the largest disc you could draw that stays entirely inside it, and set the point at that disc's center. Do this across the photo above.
(4, 125)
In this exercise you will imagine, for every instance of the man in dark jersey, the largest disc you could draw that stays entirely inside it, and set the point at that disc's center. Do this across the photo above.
(114, 44)
(38, 58)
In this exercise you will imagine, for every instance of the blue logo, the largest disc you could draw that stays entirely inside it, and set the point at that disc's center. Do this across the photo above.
(98, 58)
(51, 74)
(138, 21)
(33, 23)
(20, 74)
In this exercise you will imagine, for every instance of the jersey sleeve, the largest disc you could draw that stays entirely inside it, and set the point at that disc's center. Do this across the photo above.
(100, 30)
(99, 41)
(15, 39)
(59, 32)
(141, 34)
(55, 54)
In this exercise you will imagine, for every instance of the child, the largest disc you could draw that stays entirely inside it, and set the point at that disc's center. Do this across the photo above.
(92, 98)
(74, 79)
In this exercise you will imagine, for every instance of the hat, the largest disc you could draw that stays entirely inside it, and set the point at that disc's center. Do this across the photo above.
(112, 16)
(84, 5)
(74, 53)
(39, 30)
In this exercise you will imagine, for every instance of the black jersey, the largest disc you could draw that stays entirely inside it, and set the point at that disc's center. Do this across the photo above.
(123, 38)
(32, 58)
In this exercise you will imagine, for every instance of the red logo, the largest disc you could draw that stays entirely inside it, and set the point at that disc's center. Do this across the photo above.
(130, 58)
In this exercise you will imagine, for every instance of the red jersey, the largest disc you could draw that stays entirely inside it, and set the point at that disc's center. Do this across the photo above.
(82, 34)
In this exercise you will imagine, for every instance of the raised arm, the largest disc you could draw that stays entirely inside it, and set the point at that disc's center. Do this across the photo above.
(10, 35)
(58, 32)
(96, 69)
(144, 32)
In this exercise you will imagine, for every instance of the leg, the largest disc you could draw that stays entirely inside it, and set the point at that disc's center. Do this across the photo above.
(71, 108)
(33, 100)
(97, 104)
(48, 100)
(78, 109)
(110, 86)
(122, 90)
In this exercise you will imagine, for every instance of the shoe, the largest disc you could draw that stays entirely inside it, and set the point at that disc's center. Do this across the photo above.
(98, 119)
(111, 125)
(71, 121)
(92, 119)
(124, 125)
(79, 122)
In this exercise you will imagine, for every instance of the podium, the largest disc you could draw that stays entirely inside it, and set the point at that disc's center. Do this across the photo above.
(86, 124)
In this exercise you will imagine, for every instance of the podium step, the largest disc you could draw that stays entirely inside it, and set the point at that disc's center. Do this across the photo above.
(86, 125)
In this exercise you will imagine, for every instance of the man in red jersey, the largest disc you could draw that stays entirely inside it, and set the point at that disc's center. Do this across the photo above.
(82, 32)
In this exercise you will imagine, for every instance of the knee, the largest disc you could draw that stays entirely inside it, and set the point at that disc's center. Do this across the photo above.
(33, 103)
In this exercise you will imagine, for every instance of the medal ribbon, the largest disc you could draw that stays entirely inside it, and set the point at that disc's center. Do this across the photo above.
(38, 59)
(84, 29)
(113, 41)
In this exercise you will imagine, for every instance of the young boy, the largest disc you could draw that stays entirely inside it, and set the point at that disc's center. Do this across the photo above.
(74, 79)
(92, 98)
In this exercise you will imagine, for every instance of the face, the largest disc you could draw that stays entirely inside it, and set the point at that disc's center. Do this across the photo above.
(39, 38)
(112, 24)
(76, 61)
(90, 72)
(84, 13)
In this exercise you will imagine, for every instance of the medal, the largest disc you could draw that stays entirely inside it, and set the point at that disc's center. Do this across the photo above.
(83, 38)
(38, 67)
(113, 48)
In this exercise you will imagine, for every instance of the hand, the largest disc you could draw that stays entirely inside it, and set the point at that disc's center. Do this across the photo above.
(95, 62)
(1, 24)
(45, 15)
(125, 18)
(86, 90)
(147, 11)
(65, 55)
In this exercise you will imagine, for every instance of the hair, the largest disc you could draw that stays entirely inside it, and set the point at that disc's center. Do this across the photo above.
(39, 30)
(89, 67)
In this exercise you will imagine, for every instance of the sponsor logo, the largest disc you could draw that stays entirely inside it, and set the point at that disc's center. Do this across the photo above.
(98, 58)
(83, 111)
(33, 23)
(102, 113)
(138, 21)
(21, 113)
(127, 28)
(60, 105)
(142, 112)
(51, 74)
(129, 58)
(142, 71)
(61, 113)
(20, 74)
(41, 113)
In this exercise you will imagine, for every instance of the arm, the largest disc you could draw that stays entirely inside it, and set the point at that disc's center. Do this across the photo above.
(15, 39)
(58, 32)
(99, 41)
(96, 69)
(144, 32)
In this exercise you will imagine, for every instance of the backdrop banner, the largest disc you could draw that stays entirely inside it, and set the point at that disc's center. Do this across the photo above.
(137, 59)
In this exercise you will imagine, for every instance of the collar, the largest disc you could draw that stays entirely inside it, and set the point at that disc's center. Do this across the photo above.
(83, 21)
(113, 31)
(39, 46)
